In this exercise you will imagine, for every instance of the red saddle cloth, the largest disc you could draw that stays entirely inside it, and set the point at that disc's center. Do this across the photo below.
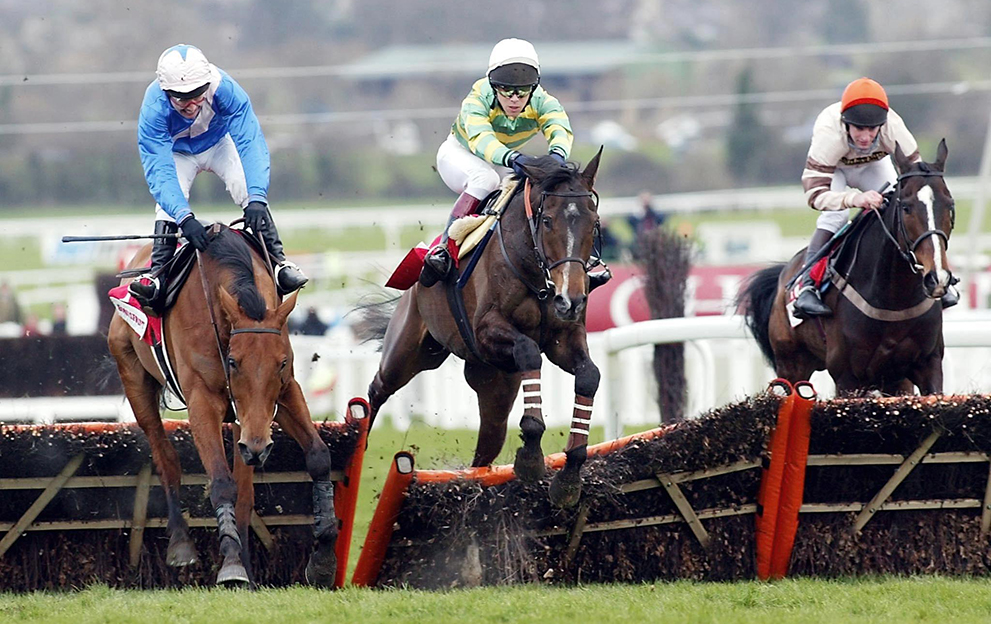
(408, 271)
(128, 308)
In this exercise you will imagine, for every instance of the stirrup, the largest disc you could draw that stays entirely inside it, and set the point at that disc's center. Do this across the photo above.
(141, 292)
(288, 277)
(436, 266)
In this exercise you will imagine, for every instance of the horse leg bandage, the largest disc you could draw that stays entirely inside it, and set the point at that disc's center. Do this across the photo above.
(531, 396)
(581, 420)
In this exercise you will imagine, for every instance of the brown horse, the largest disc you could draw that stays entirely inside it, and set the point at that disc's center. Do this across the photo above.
(252, 382)
(526, 296)
(886, 332)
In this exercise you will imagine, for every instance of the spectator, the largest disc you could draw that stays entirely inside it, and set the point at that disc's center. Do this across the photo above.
(312, 325)
(58, 320)
(10, 311)
(31, 326)
(649, 218)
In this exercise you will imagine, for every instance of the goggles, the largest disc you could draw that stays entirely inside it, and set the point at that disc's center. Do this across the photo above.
(509, 91)
(192, 95)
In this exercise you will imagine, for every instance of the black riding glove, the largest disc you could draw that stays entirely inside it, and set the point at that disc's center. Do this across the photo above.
(256, 216)
(516, 161)
(195, 233)
(558, 156)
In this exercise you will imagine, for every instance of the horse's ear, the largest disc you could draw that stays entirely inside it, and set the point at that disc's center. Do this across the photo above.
(941, 153)
(901, 161)
(230, 305)
(282, 313)
(591, 169)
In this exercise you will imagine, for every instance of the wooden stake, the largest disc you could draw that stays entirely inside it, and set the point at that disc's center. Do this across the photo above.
(39, 505)
(140, 513)
(685, 508)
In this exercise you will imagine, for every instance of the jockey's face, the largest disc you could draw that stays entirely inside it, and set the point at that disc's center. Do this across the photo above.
(514, 104)
(862, 137)
(188, 108)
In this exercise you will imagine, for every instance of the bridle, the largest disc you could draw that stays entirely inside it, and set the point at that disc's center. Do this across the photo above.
(545, 266)
(907, 252)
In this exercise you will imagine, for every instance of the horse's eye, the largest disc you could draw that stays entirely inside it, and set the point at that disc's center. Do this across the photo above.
(231, 364)
(546, 221)
(285, 362)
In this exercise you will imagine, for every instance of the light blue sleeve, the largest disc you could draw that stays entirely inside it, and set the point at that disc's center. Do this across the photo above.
(233, 103)
(155, 149)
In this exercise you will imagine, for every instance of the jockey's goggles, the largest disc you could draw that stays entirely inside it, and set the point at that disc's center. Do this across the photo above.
(508, 91)
(192, 95)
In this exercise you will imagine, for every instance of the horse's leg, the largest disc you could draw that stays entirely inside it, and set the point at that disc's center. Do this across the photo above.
(928, 375)
(571, 354)
(496, 392)
(206, 413)
(294, 417)
(244, 477)
(142, 393)
(901, 387)
(407, 349)
(517, 354)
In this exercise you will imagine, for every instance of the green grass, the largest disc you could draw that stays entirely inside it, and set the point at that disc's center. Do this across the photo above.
(862, 600)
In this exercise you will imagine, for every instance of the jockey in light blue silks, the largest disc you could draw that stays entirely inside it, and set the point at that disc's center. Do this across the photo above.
(195, 118)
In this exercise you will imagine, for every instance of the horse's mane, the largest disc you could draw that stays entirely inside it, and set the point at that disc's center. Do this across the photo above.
(552, 173)
(233, 253)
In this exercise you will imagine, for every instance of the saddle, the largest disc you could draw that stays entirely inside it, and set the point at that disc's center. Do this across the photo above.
(464, 236)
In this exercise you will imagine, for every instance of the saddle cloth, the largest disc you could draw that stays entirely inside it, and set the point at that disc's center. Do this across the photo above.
(818, 275)
(463, 236)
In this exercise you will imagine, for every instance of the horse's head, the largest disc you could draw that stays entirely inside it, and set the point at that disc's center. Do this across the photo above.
(926, 212)
(259, 363)
(564, 224)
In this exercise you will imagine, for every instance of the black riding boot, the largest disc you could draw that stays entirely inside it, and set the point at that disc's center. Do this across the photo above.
(148, 288)
(599, 278)
(808, 303)
(437, 263)
(288, 277)
(952, 296)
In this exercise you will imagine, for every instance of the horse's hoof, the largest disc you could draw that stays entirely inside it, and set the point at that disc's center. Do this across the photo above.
(529, 465)
(233, 575)
(181, 553)
(321, 570)
(566, 488)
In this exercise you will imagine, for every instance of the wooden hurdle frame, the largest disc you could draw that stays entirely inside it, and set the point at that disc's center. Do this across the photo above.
(347, 482)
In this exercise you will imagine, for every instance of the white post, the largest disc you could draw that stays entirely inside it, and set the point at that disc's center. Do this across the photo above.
(977, 216)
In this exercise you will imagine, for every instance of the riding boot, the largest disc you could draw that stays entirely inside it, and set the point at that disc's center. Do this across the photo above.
(952, 296)
(150, 286)
(808, 302)
(437, 264)
(288, 277)
(599, 278)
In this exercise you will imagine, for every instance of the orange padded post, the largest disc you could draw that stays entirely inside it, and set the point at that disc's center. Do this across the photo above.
(346, 491)
(380, 530)
(793, 482)
(772, 474)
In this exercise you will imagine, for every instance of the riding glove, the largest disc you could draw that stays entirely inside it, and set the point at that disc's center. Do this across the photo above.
(256, 216)
(558, 157)
(517, 161)
(194, 232)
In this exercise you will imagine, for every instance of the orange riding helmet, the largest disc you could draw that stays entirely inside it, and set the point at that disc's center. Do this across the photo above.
(864, 103)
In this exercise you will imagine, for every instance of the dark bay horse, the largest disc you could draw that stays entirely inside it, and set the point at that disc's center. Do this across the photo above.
(886, 332)
(526, 296)
(258, 360)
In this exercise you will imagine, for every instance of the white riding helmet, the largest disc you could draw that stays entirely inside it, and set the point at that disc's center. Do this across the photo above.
(183, 69)
(513, 51)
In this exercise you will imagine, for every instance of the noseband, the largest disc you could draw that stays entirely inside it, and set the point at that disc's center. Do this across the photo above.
(908, 251)
(533, 220)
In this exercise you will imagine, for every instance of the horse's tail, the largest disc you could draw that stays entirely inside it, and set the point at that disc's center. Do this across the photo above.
(755, 301)
(374, 317)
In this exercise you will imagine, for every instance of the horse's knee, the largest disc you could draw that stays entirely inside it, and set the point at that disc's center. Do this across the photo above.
(223, 490)
(526, 354)
(318, 460)
(587, 380)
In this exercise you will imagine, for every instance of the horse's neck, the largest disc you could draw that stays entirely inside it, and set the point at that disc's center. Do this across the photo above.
(879, 272)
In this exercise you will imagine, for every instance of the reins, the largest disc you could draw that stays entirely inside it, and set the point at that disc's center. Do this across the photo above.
(908, 252)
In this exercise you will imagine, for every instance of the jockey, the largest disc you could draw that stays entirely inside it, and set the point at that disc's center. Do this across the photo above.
(851, 146)
(195, 118)
(503, 111)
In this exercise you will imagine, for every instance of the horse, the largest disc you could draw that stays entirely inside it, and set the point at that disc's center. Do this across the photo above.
(886, 331)
(229, 346)
(526, 296)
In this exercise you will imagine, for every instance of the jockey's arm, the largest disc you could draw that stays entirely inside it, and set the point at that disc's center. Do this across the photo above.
(829, 145)
(232, 102)
(482, 140)
(554, 123)
(155, 150)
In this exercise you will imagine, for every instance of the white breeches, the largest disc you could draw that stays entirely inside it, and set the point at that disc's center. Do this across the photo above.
(869, 177)
(463, 172)
(221, 159)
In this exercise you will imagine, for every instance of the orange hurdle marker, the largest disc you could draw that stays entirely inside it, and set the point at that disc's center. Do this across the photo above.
(346, 492)
(772, 474)
(380, 530)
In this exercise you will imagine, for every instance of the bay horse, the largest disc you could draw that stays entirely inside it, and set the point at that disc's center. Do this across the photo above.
(886, 331)
(526, 296)
(229, 346)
